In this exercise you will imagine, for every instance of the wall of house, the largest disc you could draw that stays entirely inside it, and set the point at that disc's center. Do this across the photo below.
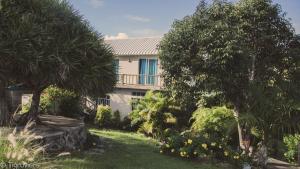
(120, 100)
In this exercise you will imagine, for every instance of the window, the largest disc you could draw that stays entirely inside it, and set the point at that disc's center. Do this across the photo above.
(104, 101)
(136, 96)
(116, 66)
(147, 71)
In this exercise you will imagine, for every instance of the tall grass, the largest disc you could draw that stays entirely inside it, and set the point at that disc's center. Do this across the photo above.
(19, 148)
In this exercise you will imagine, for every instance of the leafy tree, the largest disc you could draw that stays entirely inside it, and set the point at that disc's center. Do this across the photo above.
(49, 43)
(236, 50)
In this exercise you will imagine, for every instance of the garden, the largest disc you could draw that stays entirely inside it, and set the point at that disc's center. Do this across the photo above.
(230, 96)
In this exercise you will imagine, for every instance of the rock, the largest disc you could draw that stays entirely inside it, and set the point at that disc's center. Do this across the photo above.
(59, 134)
(64, 154)
(98, 150)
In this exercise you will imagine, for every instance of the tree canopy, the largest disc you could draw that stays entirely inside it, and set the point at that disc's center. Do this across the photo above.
(48, 43)
(244, 51)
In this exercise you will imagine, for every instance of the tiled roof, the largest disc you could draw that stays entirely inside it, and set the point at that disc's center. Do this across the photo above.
(138, 46)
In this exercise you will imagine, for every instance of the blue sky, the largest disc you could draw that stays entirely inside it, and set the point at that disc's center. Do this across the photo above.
(150, 18)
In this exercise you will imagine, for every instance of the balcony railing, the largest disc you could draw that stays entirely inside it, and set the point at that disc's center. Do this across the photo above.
(140, 80)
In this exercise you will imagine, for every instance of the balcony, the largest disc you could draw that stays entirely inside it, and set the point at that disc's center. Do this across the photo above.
(147, 82)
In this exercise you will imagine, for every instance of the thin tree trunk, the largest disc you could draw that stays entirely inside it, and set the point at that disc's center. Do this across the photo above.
(4, 112)
(34, 107)
(236, 114)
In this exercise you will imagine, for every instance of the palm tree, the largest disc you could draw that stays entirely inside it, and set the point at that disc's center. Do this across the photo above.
(49, 43)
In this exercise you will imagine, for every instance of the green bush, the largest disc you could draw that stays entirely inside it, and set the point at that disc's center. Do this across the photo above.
(216, 122)
(103, 116)
(291, 142)
(60, 102)
(193, 145)
(116, 119)
(153, 114)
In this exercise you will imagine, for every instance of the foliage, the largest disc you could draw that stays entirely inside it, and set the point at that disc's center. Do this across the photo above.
(248, 52)
(292, 143)
(193, 145)
(116, 119)
(60, 102)
(215, 122)
(20, 149)
(53, 45)
(103, 116)
(153, 114)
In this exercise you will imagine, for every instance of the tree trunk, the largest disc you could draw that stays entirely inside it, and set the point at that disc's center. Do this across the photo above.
(4, 112)
(299, 153)
(34, 107)
(236, 114)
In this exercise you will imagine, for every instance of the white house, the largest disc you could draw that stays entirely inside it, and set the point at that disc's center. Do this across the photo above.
(138, 69)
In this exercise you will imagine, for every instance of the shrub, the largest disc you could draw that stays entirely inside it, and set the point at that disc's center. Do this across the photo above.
(116, 119)
(193, 145)
(103, 116)
(60, 102)
(215, 122)
(153, 114)
(126, 124)
(291, 142)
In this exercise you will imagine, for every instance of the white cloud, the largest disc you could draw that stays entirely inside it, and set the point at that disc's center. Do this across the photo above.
(118, 36)
(137, 18)
(147, 33)
(96, 3)
(297, 27)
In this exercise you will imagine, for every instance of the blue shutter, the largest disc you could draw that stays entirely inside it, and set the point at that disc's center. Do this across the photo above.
(152, 71)
(142, 71)
(116, 66)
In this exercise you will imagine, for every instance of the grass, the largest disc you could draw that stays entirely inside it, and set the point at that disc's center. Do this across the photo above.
(129, 151)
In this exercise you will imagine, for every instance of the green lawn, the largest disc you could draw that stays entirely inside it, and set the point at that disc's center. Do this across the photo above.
(130, 151)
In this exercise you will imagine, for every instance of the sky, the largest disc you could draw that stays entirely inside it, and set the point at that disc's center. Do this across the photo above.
(121, 19)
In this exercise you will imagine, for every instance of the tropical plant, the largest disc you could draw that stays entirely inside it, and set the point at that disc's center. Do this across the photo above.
(153, 114)
(53, 45)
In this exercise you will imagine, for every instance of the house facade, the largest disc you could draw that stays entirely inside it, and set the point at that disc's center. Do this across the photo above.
(138, 70)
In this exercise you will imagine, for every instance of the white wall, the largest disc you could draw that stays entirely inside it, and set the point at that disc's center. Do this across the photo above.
(120, 100)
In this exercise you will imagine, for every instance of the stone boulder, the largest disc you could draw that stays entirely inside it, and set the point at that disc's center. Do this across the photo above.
(59, 134)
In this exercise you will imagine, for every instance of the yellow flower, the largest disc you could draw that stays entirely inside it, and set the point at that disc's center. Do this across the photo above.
(204, 146)
(190, 141)
(172, 150)
(161, 151)
(213, 144)
(181, 154)
(226, 153)
(167, 145)
(185, 143)
(220, 146)
(236, 157)
(195, 152)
